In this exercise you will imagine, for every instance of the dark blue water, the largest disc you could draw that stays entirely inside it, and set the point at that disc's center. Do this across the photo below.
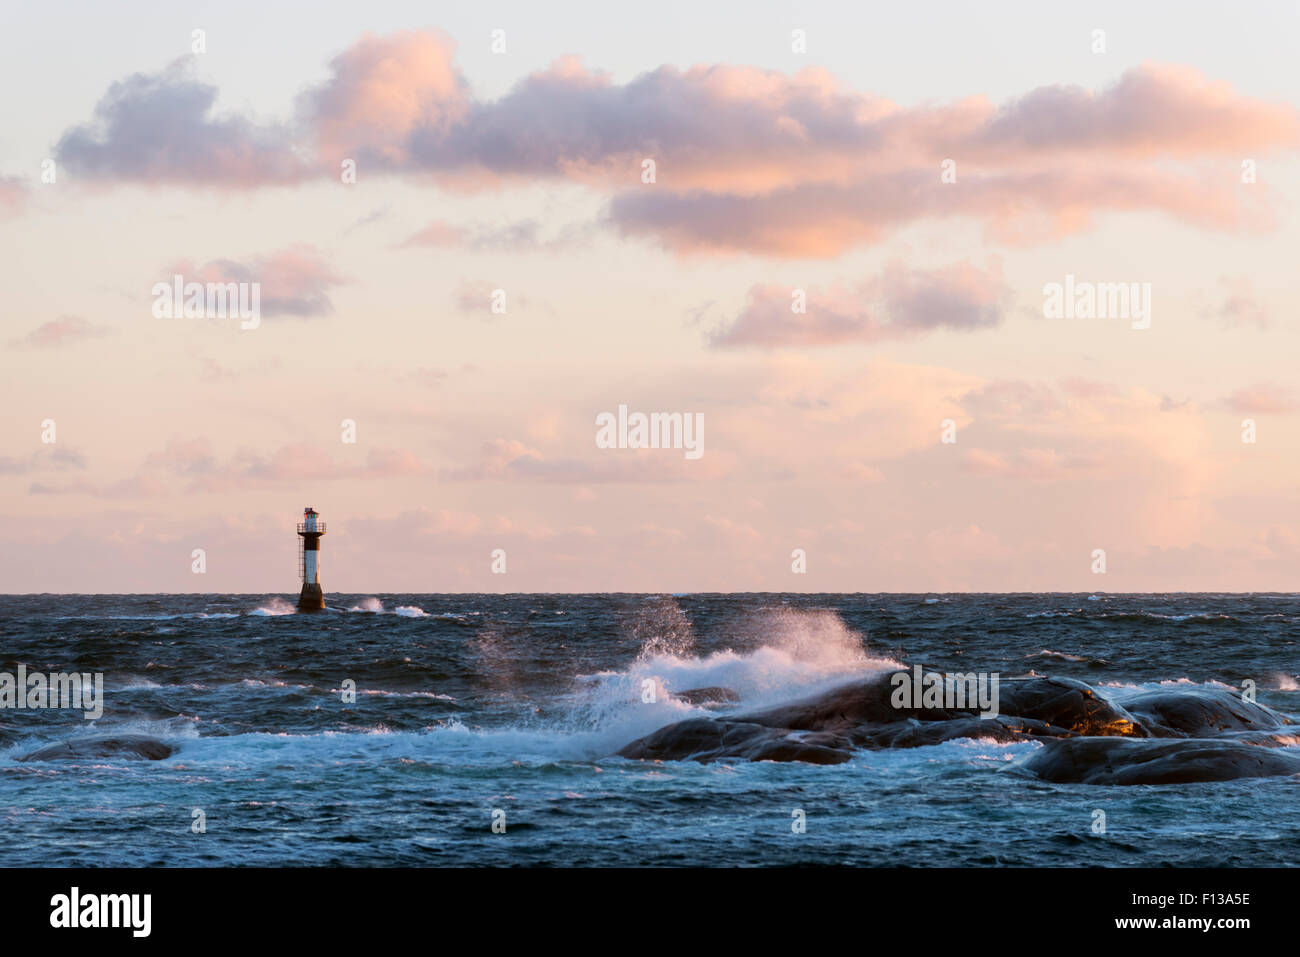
(473, 705)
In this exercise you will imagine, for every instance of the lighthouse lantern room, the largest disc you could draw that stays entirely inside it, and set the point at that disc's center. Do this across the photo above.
(310, 529)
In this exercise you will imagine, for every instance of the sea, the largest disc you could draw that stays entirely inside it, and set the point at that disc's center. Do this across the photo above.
(481, 730)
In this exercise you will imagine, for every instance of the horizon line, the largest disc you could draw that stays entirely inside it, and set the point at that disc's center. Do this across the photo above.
(250, 594)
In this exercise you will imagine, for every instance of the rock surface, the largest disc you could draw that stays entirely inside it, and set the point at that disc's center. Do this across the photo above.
(103, 746)
(1116, 761)
(1088, 738)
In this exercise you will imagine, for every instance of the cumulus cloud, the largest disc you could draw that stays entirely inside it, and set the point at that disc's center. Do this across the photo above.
(294, 281)
(746, 159)
(899, 303)
(162, 128)
(382, 93)
(1018, 206)
(1156, 108)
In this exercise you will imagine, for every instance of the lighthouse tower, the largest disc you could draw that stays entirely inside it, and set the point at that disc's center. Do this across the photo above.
(309, 531)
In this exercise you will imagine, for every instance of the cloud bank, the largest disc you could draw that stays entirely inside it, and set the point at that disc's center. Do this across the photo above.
(747, 160)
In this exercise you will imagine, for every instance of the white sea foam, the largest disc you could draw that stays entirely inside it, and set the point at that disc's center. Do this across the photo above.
(177, 730)
(1285, 682)
(801, 652)
(134, 684)
(1060, 655)
(376, 607)
(274, 608)
(785, 654)
(1127, 689)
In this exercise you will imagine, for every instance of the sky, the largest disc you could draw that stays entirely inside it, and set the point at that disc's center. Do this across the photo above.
(840, 266)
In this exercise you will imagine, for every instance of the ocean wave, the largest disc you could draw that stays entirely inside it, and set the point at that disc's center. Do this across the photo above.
(1125, 689)
(374, 606)
(274, 608)
(802, 652)
(1066, 657)
(1142, 616)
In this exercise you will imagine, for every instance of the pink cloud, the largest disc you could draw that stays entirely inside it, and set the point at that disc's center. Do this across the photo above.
(437, 233)
(1154, 109)
(294, 281)
(899, 303)
(382, 93)
(1017, 206)
(59, 332)
(746, 159)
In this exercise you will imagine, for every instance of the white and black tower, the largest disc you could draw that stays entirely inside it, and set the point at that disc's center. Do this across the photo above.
(309, 532)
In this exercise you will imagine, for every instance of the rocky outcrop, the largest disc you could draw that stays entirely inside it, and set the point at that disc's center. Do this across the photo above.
(1199, 712)
(1116, 761)
(1088, 739)
(103, 746)
(826, 728)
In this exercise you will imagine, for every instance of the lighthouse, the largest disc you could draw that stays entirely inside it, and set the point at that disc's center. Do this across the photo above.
(309, 532)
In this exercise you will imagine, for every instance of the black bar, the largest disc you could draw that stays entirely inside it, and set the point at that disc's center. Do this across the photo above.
(1040, 908)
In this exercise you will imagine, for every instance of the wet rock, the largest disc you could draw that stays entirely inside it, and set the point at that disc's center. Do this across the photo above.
(1119, 761)
(709, 739)
(1201, 712)
(103, 746)
(1069, 704)
(825, 728)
